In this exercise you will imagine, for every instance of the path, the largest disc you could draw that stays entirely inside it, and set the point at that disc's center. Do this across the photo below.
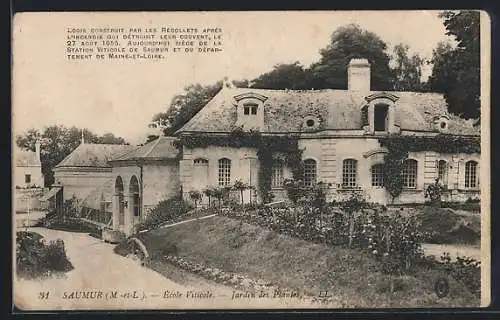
(98, 268)
(455, 250)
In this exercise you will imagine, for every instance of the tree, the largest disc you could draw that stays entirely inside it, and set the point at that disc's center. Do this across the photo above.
(346, 43)
(241, 187)
(109, 138)
(56, 142)
(195, 195)
(407, 70)
(456, 71)
(283, 76)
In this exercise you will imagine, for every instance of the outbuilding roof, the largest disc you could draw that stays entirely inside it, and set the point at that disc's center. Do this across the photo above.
(94, 155)
(285, 110)
(161, 148)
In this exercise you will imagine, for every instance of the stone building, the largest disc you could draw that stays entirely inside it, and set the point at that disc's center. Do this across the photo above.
(28, 179)
(86, 168)
(142, 178)
(339, 132)
(28, 168)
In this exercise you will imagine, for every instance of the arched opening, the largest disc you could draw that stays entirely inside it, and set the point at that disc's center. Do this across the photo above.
(135, 198)
(119, 198)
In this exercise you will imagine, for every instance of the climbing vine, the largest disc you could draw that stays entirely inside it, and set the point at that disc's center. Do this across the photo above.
(399, 146)
(270, 148)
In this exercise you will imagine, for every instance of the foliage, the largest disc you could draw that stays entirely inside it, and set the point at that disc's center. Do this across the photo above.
(456, 71)
(240, 186)
(399, 146)
(464, 269)
(165, 211)
(294, 189)
(394, 238)
(56, 142)
(195, 195)
(407, 70)
(184, 106)
(270, 148)
(349, 42)
(35, 258)
(434, 192)
(284, 76)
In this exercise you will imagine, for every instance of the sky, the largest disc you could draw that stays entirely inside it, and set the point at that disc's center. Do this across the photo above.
(122, 96)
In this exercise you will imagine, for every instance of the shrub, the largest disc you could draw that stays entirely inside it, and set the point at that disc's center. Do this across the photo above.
(464, 269)
(35, 258)
(165, 211)
(434, 192)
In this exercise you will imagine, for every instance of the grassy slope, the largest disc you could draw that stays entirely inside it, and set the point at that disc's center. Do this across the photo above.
(451, 226)
(292, 263)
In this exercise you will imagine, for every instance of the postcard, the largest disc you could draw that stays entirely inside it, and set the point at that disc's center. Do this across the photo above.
(250, 160)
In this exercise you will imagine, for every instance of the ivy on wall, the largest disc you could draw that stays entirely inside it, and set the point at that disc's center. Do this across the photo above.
(399, 146)
(270, 148)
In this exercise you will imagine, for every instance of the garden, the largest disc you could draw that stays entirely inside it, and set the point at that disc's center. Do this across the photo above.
(358, 239)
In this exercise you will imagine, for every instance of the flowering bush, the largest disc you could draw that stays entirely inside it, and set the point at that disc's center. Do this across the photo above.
(394, 238)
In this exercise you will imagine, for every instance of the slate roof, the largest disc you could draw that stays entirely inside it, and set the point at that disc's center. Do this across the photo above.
(159, 149)
(25, 158)
(94, 155)
(284, 111)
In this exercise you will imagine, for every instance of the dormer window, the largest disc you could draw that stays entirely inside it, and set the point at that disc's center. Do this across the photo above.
(379, 114)
(250, 109)
(381, 118)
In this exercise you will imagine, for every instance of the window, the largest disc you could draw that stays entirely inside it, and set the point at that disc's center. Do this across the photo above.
(349, 168)
(310, 122)
(443, 172)
(136, 204)
(410, 173)
(309, 172)
(200, 162)
(27, 178)
(224, 172)
(277, 175)
(471, 174)
(377, 175)
(381, 112)
(250, 109)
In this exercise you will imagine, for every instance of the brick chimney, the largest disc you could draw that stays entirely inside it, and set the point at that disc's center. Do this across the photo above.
(37, 150)
(358, 75)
